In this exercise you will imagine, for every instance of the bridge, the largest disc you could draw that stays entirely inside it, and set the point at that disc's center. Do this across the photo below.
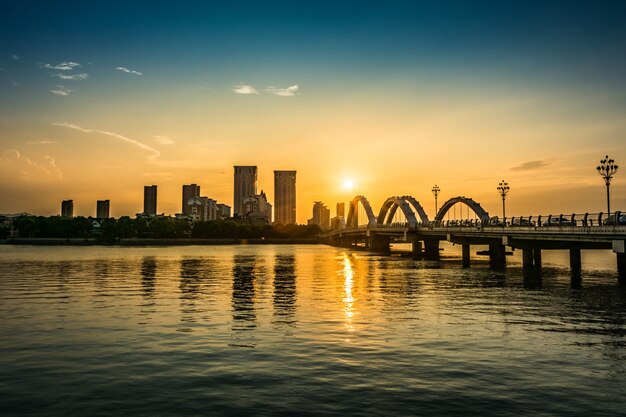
(403, 219)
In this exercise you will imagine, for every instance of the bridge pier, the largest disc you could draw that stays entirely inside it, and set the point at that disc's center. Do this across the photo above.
(431, 249)
(379, 244)
(416, 249)
(497, 256)
(621, 268)
(531, 267)
(575, 264)
(466, 255)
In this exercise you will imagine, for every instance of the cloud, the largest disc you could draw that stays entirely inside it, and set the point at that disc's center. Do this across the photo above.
(73, 77)
(42, 142)
(164, 140)
(14, 164)
(283, 92)
(128, 71)
(63, 66)
(155, 153)
(62, 91)
(530, 165)
(16, 57)
(244, 89)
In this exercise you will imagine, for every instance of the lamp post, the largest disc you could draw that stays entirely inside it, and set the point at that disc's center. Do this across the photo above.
(607, 169)
(503, 189)
(436, 190)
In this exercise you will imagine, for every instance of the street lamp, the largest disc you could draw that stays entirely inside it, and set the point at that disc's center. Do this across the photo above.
(607, 169)
(436, 190)
(503, 189)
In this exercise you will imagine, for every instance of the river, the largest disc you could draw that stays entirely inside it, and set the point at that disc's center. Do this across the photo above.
(304, 330)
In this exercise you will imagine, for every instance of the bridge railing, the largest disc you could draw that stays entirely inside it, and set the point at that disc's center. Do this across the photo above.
(617, 218)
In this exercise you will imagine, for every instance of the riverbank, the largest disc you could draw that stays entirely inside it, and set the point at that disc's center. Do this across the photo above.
(154, 242)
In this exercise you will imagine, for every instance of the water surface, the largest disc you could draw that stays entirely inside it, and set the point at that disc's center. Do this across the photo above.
(303, 330)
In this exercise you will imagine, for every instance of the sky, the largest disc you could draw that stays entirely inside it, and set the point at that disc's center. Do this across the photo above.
(98, 99)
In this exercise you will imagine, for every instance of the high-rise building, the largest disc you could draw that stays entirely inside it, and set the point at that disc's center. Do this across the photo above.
(285, 197)
(102, 209)
(245, 186)
(321, 215)
(341, 209)
(150, 200)
(67, 208)
(189, 191)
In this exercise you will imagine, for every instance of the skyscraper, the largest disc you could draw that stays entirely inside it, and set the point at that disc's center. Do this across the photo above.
(67, 208)
(189, 191)
(102, 209)
(150, 199)
(341, 209)
(321, 215)
(245, 186)
(285, 197)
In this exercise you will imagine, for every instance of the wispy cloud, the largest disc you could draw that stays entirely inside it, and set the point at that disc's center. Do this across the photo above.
(128, 71)
(530, 165)
(164, 140)
(42, 142)
(244, 89)
(16, 57)
(61, 90)
(13, 163)
(283, 92)
(63, 66)
(72, 77)
(138, 144)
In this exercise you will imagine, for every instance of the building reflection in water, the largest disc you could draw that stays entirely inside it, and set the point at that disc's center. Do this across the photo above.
(285, 290)
(191, 270)
(148, 277)
(348, 298)
(244, 316)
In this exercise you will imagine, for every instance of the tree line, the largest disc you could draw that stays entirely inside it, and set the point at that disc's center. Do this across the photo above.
(125, 227)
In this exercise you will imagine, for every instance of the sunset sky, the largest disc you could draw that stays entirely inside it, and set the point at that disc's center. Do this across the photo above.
(98, 99)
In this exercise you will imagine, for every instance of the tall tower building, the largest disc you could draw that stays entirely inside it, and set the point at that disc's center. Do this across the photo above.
(150, 199)
(67, 208)
(321, 215)
(341, 210)
(102, 209)
(285, 197)
(189, 191)
(245, 186)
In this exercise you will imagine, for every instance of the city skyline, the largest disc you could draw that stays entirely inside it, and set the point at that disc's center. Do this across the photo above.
(380, 96)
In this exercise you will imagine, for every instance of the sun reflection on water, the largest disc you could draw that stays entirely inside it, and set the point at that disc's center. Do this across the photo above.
(348, 299)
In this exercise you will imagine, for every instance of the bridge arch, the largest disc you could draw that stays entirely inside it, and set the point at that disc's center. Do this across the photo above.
(409, 206)
(474, 206)
(388, 210)
(353, 217)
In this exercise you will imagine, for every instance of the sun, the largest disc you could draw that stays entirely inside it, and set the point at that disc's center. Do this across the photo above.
(348, 184)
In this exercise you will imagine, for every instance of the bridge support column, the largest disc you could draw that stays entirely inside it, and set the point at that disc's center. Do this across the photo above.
(497, 256)
(621, 268)
(416, 249)
(531, 267)
(379, 244)
(575, 264)
(466, 255)
(431, 249)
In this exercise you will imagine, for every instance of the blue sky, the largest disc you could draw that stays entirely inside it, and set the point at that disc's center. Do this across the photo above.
(547, 78)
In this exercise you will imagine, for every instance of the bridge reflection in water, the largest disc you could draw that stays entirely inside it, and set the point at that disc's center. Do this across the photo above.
(363, 229)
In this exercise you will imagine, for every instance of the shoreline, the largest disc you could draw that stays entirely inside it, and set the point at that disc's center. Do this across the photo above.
(155, 242)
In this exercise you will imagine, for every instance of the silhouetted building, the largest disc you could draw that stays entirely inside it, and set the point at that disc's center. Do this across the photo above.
(150, 200)
(285, 197)
(257, 209)
(245, 186)
(341, 209)
(189, 191)
(102, 209)
(321, 215)
(67, 208)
